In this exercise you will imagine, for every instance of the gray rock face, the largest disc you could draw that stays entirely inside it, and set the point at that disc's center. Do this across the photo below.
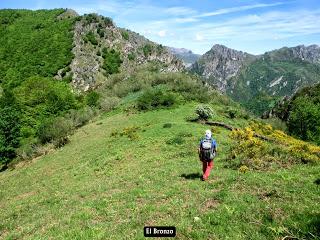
(69, 13)
(86, 66)
(304, 53)
(220, 64)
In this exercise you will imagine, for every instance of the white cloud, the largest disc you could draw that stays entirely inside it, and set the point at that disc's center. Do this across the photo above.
(261, 27)
(238, 9)
(162, 33)
(186, 20)
(178, 11)
(199, 37)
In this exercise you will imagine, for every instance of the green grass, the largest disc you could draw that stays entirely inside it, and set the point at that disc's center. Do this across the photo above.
(105, 187)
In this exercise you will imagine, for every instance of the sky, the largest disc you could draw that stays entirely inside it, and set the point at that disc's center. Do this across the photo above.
(253, 26)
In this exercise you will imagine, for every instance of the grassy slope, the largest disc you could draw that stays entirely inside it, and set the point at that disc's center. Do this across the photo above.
(96, 188)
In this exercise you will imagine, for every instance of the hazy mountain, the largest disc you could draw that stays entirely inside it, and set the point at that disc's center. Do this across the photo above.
(187, 56)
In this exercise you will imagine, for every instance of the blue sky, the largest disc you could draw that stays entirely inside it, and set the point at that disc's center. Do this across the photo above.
(254, 26)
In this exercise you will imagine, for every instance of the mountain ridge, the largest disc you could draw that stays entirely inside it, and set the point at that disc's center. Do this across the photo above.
(261, 79)
(219, 64)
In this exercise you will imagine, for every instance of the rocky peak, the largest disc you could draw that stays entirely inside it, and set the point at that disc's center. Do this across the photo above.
(220, 64)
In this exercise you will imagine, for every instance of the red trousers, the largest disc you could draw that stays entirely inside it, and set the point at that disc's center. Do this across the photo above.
(206, 168)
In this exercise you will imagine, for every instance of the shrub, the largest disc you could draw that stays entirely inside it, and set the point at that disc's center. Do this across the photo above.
(101, 32)
(90, 37)
(232, 112)
(31, 149)
(56, 131)
(92, 98)
(247, 149)
(109, 103)
(80, 117)
(125, 35)
(160, 49)
(177, 140)
(112, 61)
(131, 132)
(156, 98)
(204, 112)
(91, 18)
(243, 169)
(131, 56)
(108, 21)
(167, 125)
(276, 124)
(147, 49)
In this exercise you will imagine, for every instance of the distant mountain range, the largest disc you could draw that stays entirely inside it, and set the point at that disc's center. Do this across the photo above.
(187, 56)
(93, 47)
(259, 81)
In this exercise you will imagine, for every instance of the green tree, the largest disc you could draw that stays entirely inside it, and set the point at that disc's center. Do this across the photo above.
(9, 127)
(92, 99)
(304, 119)
(112, 61)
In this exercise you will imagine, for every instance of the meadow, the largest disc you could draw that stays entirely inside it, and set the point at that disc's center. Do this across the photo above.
(126, 170)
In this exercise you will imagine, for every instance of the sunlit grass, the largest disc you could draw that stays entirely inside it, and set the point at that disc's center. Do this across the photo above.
(109, 186)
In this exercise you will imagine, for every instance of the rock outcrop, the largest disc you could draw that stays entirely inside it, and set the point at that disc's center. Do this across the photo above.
(220, 64)
(93, 33)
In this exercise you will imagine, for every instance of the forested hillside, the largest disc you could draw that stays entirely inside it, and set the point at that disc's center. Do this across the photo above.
(265, 81)
(33, 43)
(48, 58)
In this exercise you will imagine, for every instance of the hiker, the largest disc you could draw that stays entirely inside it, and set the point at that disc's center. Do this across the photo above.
(207, 151)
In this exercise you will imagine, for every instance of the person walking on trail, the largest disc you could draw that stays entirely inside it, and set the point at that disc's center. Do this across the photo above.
(207, 151)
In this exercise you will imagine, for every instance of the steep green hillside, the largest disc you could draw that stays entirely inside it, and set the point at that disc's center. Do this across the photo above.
(34, 46)
(33, 43)
(265, 81)
(128, 170)
(301, 112)
(45, 56)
